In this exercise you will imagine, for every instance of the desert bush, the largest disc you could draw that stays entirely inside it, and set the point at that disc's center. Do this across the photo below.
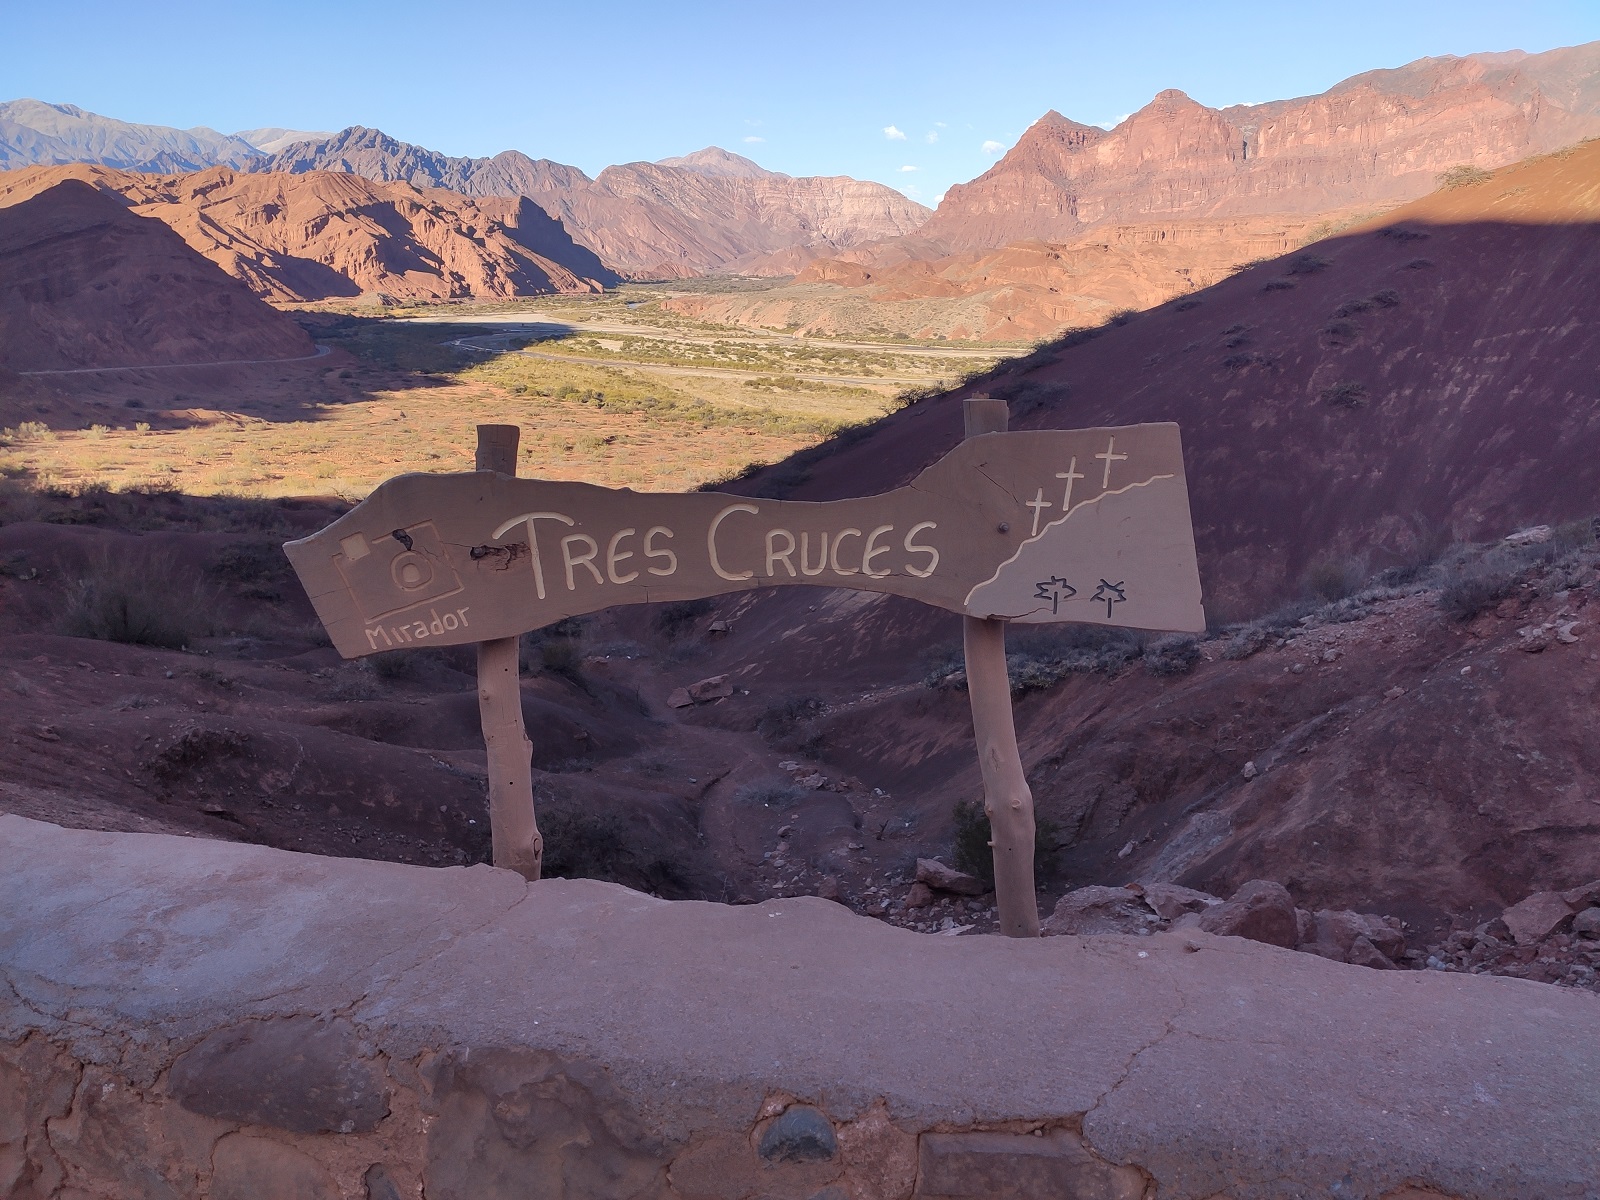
(144, 600)
(1388, 298)
(1307, 264)
(1419, 264)
(394, 664)
(938, 665)
(193, 747)
(1470, 590)
(1460, 176)
(583, 844)
(1043, 658)
(1401, 234)
(1243, 362)
(973, 854)
(1186, 305)
(1176, 655)
(259, 568)
(1341, 333)
(1330, 578)
(1123, 316)
(675, 619)
(784, 717)
(1245, 641)
(561, 656)
(1350, 307)
(1278, 285)
(352, 684)
(1347, 394)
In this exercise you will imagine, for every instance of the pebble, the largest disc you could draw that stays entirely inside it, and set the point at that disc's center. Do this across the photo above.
(1249, 771)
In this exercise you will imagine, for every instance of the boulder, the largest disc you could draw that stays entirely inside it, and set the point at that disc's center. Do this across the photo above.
(947, 879)
(717, 687)
(1536, 918)
(1587, 923)
(1169, 901)
(1101, 910)
(1364, 954)
(1260, 910)
(1583, 897)
(679, 698)
(920, 895)
(1533, 536)
(1336, 934)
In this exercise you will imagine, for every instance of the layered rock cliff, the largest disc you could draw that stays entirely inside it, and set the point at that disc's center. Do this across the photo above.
(1377, 138)
(324, 234)
(86, 283)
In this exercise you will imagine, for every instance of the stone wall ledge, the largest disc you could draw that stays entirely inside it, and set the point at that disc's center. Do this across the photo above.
(186, 1018)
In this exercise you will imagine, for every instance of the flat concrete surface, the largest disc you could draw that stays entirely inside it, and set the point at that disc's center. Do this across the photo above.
(1218, 1066)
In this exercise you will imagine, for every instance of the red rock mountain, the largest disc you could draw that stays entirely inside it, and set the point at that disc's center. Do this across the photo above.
(84, 282)
(321, 235)
(1376, 138)
(703, 212)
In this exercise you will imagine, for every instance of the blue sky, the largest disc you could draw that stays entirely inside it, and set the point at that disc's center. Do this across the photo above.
(818, 87)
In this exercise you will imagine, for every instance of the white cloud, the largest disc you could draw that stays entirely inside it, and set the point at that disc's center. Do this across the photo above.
(940, 125)
(938, 200)
(931, 137)
(1114, 124)
(994, 147)
(752, 139)
(893, 134)
(908, 167)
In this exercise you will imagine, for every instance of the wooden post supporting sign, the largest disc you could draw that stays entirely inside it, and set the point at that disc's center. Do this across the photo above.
(1006, 797)
(517, 845)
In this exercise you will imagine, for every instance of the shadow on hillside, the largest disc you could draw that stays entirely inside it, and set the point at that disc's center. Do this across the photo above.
(370, 358)
(145, 510)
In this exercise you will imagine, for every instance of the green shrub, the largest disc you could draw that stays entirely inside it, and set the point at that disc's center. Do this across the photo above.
(1460, 176)
(675, 619)
(1471, 590)
(1307, 264)
(561, 656)
(973, 854)
(1329, 579)
(784, 717)
(1176, 655)
(585, 845)
(141, 600)
(1348, 394)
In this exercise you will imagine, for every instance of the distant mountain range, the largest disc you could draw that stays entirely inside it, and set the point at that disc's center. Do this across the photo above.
(705, 212)
(1165, 202)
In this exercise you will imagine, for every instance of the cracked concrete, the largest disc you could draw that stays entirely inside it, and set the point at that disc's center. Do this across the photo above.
(601, 1041)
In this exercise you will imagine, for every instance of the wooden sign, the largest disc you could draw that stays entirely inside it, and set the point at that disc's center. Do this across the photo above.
(1088, 525)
